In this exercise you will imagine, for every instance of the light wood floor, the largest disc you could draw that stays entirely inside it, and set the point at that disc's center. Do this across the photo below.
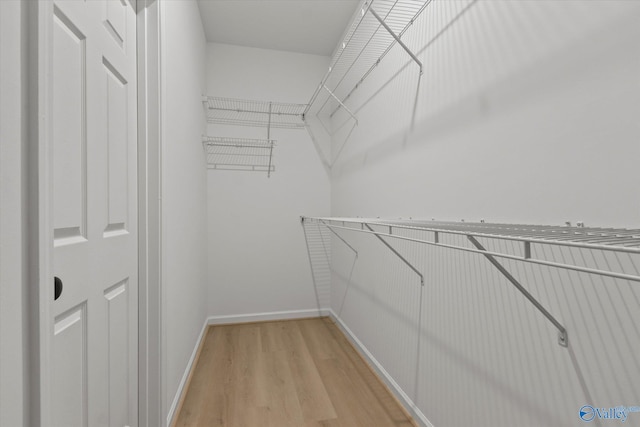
(298, 373)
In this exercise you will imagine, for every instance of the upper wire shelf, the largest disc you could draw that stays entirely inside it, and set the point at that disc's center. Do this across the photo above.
(239, 154)
(244, 112)
(376, 28)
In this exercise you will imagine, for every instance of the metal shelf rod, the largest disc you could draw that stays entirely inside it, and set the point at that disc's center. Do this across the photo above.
(222, 144)
(539, 240)
(239, 110)
(404, 46)
(501, 255)
(340, 102)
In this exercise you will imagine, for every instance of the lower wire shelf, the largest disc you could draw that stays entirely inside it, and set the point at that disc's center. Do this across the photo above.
(442, 234)
(241, 154)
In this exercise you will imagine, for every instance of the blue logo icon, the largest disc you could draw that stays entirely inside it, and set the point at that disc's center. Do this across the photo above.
(587, 413)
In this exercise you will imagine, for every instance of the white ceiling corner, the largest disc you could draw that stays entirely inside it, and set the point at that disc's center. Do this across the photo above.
(303, 26)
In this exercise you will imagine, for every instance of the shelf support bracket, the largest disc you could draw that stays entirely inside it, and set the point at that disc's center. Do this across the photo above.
(395, 36)
(562, 332)
(340, 102)
(396, 253)
(339, 237)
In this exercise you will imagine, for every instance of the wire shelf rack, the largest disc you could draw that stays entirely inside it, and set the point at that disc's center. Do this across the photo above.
(243, 154)
(242, 112)
(469, 236)
(610, 239)
(367, 41)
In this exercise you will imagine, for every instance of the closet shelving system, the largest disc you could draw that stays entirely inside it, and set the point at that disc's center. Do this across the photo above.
(245, 153)
(526, 236)
(374, 31)
(239, 153)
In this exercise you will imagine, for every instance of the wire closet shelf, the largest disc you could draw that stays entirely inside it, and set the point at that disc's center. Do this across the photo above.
(243, 112)
(374, 31)
(617, 240)
(243, 154)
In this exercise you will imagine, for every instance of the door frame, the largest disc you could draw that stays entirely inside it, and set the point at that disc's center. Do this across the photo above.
(150, 356)
(41, 26)
(150, 344)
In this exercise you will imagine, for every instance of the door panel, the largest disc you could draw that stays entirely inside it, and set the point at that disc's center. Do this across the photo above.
(69, 131)
(116, 20)
(118, 326)
(94, 192)
(117, 143)
(69, 357)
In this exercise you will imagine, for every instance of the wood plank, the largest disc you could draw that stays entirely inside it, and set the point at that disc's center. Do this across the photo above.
(284, 407)
(297, 373)
(321, 342)
(312, 395)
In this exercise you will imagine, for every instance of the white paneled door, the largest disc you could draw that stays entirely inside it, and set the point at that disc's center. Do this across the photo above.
(92, 134)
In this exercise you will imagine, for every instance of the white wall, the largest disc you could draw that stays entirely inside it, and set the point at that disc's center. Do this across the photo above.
(184, 207)
(14, 378)
(257, 257)
(526, 112)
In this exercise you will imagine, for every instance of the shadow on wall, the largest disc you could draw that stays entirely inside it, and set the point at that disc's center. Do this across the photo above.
(318, 243)
(468, 348)
(466, 363)
(472, 74)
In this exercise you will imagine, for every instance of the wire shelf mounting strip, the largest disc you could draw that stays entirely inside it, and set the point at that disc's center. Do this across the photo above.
(600, 239)
(242, 154)
(242, 112)
(377, 28)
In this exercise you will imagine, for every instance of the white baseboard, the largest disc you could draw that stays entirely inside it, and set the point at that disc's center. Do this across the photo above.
(185, 376)
(402, 397)
(265, 317)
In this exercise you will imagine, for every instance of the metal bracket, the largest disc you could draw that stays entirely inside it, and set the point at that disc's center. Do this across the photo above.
(397, 254)
(563, 339)
(395, 36)
(340, 102)
(527, 250)
(340, 237)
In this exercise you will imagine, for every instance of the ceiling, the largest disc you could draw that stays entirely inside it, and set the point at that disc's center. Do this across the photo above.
(303, 26)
